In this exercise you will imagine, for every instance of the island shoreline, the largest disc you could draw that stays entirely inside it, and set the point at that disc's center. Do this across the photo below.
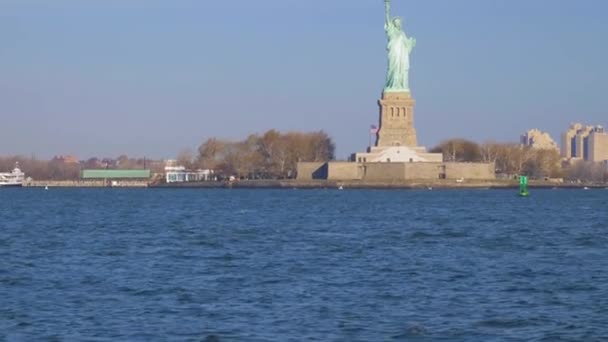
(323, 184)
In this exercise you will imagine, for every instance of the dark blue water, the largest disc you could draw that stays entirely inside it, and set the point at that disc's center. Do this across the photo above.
(292, 265)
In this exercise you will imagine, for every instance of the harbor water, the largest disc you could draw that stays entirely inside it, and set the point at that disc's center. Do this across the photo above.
(295, 265)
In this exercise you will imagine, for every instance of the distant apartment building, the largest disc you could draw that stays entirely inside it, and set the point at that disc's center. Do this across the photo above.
(589, 143)
(598, 147)
(537, 139)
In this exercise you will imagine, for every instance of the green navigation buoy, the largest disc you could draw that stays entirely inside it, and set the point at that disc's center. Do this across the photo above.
(523, 186)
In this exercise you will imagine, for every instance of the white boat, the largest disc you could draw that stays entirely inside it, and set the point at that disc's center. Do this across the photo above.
(12, 179)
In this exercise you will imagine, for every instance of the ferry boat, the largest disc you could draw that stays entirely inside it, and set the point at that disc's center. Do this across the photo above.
(12, 179)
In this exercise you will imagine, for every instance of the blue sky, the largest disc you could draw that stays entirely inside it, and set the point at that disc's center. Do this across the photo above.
(149, 77)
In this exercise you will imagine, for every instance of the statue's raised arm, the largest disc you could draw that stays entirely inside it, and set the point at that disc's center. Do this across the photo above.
(387, 7)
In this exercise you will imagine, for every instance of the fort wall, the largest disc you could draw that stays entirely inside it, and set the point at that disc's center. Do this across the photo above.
(312, 170)
(343, 171)
(380, 172)
(477, 171)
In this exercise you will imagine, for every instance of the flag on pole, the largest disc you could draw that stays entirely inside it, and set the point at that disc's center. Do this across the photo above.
(373, 129)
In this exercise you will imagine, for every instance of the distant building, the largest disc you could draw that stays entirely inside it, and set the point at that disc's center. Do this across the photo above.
(67, 159)
(598, 147)
(537, 139)
(93, 163)
(118, 178)
(397, 154)
(109, 163)
(179, 174)
(589, 143)
(116, 174)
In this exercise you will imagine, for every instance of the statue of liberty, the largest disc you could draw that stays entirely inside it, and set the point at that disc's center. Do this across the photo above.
(399, 49)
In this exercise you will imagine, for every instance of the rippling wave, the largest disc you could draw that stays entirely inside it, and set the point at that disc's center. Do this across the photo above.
(266, 265)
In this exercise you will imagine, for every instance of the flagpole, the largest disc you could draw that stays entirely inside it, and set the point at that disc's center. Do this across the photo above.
(373, 131)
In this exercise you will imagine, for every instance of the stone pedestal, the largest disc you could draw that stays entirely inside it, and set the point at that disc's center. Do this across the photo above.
(396, 141)
(397, 120)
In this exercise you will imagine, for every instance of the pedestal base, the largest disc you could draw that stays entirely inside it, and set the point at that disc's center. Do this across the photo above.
(397, 120)
(398, 154)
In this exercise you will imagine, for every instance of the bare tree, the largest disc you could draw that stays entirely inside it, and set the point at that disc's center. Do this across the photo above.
(586, 171)
(271, 155)
(459, 150)
(489, 152)
(185, 157)
(210, 153)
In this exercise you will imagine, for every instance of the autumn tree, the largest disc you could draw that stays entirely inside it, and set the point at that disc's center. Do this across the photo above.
(210, 153)
(543, 163)
(586, 171)
(271, 148)
(513, 159)
(271, 155)
(241, 159)
(186, 158)
(323, 148)
(459, 150)
(490, 151)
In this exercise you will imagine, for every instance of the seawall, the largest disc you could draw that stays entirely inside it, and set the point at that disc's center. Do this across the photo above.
(328, 184)
(315, 184)
(85, 184)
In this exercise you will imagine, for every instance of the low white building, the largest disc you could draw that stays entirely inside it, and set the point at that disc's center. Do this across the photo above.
(179, 174)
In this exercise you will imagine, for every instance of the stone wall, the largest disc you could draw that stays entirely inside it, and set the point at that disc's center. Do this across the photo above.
(427, 171)
(381, 172)
(65, 184)
(310, 171)
(128, 184)
(423, 171)
(476, 171)
(343, 171)
(375, 172)
(86, 184)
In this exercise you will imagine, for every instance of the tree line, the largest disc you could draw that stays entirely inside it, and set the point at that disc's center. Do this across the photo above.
(59, 169)
(515, 159)
(272, 155)
(41, 169)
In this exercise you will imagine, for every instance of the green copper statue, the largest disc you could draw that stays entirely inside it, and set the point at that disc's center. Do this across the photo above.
(399, 49)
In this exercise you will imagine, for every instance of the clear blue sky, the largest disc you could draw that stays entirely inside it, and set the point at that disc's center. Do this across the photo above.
(147, 77)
